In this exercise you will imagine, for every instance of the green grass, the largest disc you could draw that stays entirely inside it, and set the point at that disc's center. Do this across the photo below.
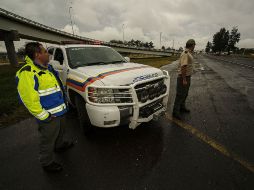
(12, 111)
(8, 97)
(249, 56)
(156, 61)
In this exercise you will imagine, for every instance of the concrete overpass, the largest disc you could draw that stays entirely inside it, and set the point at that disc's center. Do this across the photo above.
(14, 27)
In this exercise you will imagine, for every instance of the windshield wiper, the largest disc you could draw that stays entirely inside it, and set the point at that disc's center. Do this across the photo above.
(78, 65)
(102, 63)
(98, 63)
(89, 64)
(119, 61)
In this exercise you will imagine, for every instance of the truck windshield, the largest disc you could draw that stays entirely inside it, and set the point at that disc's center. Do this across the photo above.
(88, 56)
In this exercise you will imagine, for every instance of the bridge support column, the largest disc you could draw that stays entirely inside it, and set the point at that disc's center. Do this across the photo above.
(12, 56)
(8, 38)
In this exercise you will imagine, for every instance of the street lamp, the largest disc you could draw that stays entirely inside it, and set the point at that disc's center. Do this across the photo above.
(123, 32)
(71, 20)
(160, 39)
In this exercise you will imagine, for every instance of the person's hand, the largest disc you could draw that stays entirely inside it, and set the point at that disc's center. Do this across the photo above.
(49, 119)
(185, 82)
(52, 117)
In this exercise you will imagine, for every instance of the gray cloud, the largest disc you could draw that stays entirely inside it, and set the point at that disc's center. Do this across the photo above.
(178, 20)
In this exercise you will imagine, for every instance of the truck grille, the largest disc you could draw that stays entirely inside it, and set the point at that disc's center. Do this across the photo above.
(150, 90)
(150, 109)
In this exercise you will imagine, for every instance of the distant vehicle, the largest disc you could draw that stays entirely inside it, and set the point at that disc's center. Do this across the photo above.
(107, 89)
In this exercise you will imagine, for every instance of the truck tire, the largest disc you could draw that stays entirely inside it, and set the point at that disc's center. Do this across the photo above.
(83, 117)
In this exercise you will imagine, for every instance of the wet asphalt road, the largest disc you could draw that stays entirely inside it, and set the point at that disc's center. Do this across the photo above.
(242, 61)
(157, 155)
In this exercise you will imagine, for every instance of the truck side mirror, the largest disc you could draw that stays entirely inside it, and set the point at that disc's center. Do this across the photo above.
(127, 59)
(59, 58)
(51, 51)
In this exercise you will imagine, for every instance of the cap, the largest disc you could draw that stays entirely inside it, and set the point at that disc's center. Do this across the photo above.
(191, 42)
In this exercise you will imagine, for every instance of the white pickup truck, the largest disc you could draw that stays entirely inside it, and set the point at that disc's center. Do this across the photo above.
(107, 89)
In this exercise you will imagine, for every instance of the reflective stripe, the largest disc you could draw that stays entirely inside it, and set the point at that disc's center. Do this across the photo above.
(48, 93)
(42, 115)
(47, 90)
(57, 109)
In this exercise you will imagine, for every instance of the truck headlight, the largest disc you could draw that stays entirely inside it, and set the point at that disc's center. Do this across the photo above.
(109, 96)
(101, 95)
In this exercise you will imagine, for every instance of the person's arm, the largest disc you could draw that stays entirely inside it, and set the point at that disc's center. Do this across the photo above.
(60, 82)
(27, 88)
(184, 63)
(183, 71)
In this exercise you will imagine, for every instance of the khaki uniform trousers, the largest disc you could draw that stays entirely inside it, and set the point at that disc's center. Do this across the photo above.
(181, 93)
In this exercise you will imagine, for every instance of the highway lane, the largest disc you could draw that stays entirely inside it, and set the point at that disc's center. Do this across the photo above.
(222, 103)
(230, 91)
(157, 155)
(242, 61)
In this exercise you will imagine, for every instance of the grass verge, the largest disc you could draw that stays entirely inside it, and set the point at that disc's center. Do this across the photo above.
(11, 111)
(156, 61)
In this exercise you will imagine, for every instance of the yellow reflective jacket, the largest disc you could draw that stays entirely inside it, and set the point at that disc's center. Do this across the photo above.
(40, 91)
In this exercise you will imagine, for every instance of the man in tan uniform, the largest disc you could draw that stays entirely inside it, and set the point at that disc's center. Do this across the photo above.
(184, 79)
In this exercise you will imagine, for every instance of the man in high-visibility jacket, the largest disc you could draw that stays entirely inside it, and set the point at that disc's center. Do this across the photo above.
(42, 93)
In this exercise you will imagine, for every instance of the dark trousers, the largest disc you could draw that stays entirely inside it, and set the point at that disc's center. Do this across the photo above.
(181, 93)
(51, 136)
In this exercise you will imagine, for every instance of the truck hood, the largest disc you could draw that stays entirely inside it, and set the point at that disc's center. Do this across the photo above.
(120, 74)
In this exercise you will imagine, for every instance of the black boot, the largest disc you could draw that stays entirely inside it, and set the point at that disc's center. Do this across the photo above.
(65, 146)
(176, 116)
(184, 110)
(53, 167)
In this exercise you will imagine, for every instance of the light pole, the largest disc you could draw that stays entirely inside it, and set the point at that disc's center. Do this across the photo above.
(123, 32)
(160, 39)
(71, 20)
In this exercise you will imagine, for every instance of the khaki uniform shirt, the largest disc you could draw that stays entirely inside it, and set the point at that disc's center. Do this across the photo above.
(186, 59)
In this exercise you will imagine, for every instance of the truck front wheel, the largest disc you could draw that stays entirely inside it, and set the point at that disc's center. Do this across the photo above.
(83, 117)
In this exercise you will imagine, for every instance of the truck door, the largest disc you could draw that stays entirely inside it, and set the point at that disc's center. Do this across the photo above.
(60, 64)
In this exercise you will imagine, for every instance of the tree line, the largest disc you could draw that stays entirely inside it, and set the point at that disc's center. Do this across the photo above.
(138, 43)
(224, 41)
(134, 43)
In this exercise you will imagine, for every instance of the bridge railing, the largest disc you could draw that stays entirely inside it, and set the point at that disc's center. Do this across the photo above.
(19, 18)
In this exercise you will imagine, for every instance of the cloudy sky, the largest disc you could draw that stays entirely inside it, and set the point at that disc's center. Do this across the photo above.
(176, 20)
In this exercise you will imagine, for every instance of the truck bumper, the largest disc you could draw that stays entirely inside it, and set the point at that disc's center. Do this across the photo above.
(113, 116)
(110, 116)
